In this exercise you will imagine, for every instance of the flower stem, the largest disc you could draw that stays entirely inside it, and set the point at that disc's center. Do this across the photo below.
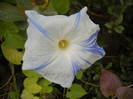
(113, 97)
(111, 57)
(64, 91)
(89, 83)
(14, 78)
(130, 85)
(90, 12)
(8, 79)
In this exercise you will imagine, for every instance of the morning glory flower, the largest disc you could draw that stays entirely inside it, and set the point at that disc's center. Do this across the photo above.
(59, 46)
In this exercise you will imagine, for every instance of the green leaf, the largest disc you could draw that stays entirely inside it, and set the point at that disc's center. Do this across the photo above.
(96, 4)
(31, 85)
(45, 86)
(109, 25)
(110, 9)
(96, 77)
(25, 4)
(14, 95)
(23, 34)
(14, 40)
(8, 31)
(41, 2)
(119, 29)
(79, 74)
(12, 55)
(76, 92)
(119, 20)
(6, 27)
(61, 6)
(31, 73)
(122, 2)
(44, 82)
(106, 2)
(50, 6)
(27, 95)
(49, 12)
(10, 13)
(109, 65)
(22, 25)
(10, 1)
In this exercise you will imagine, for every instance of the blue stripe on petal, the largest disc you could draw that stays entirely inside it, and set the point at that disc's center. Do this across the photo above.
(76, 67)
(46, 33)
(43, 65)
(99, 51)
(91, 37)
(90, 45)
(77, 20)
(86, 61)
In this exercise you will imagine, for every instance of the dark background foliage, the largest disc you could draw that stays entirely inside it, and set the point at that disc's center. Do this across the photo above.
(115, 18)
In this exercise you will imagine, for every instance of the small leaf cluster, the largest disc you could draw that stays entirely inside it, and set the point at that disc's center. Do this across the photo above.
(110, 85)
(35, 86)
(115, 25)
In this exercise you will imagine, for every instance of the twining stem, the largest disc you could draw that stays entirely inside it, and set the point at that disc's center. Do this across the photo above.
(90, 12)
(111, 57)
(130, 85)
(64, 91)
(9, 78)
(89, 83)
(7, 82)
(3, 94)
(113, 97)
(14, 78)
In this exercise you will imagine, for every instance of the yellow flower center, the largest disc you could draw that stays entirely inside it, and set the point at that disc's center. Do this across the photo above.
(63, 44)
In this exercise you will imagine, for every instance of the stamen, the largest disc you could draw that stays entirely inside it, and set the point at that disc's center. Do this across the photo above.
(63, 44)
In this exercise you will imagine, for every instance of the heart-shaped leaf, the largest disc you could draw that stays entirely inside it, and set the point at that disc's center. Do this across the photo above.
(45, 86)
(25, 4)
(124, 93)
(31, 73)
(27, 95)
(12, 55)
(76, 92)
(61, 6)
(79, 74)
(7, 27)
(10, 13)
(109, 83)
(31, 85)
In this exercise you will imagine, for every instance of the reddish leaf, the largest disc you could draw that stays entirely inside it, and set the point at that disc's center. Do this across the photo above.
(109, 83)
(124, 93)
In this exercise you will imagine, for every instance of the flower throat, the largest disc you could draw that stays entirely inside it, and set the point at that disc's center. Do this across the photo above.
(63, 44)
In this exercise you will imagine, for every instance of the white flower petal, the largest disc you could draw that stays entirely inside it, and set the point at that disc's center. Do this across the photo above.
(59, 71)
(83, 27)
(57, 26)
(82, 57)
(43, 54)
(37, 48)
(84, 36)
